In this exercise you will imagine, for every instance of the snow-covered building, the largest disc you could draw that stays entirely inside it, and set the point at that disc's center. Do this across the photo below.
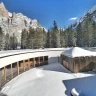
(15, 62)
(78, 60)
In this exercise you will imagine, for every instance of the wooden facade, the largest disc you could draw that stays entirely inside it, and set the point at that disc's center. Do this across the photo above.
(79, 64)
(13, 70)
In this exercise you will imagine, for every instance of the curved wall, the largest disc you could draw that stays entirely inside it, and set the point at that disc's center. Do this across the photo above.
(9, 57)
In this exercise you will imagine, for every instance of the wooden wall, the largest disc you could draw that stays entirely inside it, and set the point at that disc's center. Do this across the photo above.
(79, 64)
(84, 64)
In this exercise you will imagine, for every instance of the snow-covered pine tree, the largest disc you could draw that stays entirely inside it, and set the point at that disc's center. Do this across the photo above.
(70, 37)
(62, 39)
(7, 41)
(88, 30)
(44, 38)
(39, 38)
(48, 39)
(24, 36)
(55, 36)
(31, 38)
(13, 42)
(2, 39)
(93, 43)
(79, 36)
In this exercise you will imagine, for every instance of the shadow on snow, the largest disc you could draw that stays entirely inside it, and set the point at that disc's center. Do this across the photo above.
(86, 84)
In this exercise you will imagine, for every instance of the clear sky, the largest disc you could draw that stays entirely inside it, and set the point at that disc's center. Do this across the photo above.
(64, 12)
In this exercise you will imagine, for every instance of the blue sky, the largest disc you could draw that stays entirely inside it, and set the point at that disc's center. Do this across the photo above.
(64, 12)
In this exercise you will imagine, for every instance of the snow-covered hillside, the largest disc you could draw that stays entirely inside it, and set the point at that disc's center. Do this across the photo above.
(92, 13)
(92, 9)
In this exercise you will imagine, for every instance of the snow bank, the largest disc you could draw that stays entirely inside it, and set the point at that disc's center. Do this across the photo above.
(84, 74)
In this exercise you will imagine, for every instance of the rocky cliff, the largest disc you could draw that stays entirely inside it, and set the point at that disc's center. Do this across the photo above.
(15, 22)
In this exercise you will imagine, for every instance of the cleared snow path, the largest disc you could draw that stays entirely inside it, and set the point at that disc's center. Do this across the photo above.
(49, 80)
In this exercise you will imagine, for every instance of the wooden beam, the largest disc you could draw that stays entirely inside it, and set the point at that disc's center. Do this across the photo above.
(21, 64)
(43, 58)
(74, 65)
(29, 63)
(86, 62)
(5, 74)
(11, 72)
(0, 77)
(80, 63)
(24, 65)
(39, 60)
(18, 68)
(34, 61)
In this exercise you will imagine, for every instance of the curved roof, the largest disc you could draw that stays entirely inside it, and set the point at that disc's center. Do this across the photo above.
(9, 57)
(78, 52)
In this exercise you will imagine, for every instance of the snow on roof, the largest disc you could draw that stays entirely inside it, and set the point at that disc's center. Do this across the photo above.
(11, 56)
(14, 52)
(78, 52)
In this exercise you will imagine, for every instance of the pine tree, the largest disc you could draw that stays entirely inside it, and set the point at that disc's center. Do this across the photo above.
(80, 36)
(7, 41)
(93, 43)
(31, 38)
(55, 36)
(44, 38)
(88, 30)
(39, 38)
(13, 42)
(2, 39)
(70, 38)
(48, 40)
(62, 39)
(66, 37)
(24, 37)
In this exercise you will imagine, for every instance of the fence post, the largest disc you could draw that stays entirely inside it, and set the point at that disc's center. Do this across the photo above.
(4, 74)
(24, 65)
(18, 68)
(39, 60)
(0, 78)
(11, 72)
(34, 61)
(29, 63)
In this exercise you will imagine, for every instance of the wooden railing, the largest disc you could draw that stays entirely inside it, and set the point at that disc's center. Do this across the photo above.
(20, 67)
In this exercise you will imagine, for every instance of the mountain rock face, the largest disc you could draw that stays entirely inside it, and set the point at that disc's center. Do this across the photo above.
(3, 11)
(91, 13)
(14, 23)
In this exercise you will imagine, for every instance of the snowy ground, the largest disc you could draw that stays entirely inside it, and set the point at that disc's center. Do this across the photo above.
(50, 80)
